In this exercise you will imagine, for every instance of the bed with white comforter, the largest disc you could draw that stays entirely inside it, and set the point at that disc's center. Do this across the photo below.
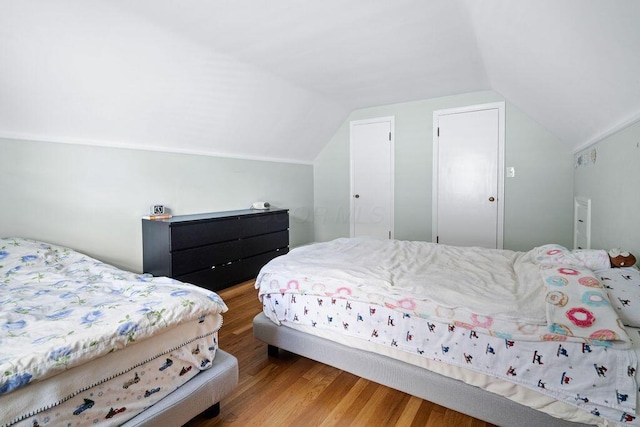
(540, 319)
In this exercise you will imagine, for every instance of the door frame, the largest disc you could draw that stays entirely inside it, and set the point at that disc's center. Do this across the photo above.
(391, 120)
(500, 106)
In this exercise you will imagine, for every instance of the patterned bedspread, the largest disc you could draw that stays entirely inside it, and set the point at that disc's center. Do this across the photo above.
(60, 309)
(462, 306)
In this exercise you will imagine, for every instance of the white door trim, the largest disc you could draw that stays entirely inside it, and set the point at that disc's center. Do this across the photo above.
(391, 120)
(500, 106)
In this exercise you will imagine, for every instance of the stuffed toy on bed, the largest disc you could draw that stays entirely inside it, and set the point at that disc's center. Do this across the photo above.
(620, 258)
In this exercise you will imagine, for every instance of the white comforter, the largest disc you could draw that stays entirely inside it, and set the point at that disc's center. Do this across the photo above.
(500, 292)
(480, 280)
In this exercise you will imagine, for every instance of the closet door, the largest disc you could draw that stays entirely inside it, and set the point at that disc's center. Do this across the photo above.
(372, 178)
(581, 223)
(468, 166)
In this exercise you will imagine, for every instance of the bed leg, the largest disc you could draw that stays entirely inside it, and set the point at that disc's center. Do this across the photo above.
(213, 411)
(272, 350)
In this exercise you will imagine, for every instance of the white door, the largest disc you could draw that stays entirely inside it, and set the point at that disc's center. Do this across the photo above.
(468, 165)
(372, 178)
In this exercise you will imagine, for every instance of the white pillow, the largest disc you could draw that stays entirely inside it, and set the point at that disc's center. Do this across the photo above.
(593, 259)
(623, 287)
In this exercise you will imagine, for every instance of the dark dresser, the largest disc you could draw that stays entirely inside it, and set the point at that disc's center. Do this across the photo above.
(214, 250)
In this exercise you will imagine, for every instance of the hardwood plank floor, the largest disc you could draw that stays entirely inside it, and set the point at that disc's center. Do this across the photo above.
(294, 391)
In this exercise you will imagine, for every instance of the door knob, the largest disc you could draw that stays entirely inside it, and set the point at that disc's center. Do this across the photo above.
(357, 196)
(492, 199)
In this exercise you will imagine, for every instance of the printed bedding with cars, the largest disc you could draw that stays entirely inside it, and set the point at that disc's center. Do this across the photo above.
(72, 327)
(540, 319)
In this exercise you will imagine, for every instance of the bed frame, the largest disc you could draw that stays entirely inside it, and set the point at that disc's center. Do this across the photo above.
(444, 391)
(200, 394)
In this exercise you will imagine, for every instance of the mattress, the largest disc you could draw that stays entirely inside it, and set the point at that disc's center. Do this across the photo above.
(84, 342)
(597, 377)
(111, 389)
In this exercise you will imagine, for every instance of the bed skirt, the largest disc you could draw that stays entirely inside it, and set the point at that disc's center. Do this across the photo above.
(431, 386)
(197, 395)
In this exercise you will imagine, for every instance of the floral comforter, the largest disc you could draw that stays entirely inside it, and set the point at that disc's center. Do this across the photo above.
(60, 309)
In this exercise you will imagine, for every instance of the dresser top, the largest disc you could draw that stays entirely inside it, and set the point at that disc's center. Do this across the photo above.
(217, 215)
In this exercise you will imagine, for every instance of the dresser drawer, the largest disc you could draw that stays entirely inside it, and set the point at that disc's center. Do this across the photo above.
(189, 260)
(263, 223)
(251, 266)
(222, 276)
(264, 243)
(190, 235)
(215, 278)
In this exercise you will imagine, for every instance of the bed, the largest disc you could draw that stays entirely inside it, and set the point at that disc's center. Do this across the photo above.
(85, 343)
(514, 338)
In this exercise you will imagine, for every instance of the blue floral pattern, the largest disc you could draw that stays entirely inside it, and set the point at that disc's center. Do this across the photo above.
(60, 308)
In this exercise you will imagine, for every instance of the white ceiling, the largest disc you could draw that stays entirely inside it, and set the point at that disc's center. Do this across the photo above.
(275, 79)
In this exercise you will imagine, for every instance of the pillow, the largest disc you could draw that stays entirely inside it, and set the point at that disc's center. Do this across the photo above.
(593, 259)
(554, 254)
(623, 287)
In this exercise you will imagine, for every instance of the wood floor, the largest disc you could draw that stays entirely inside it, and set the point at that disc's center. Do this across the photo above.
(294, 391)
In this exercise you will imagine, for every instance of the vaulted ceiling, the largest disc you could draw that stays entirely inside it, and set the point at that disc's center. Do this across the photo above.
(275, 79)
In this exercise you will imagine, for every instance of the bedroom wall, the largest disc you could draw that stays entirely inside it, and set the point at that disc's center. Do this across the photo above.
(609, 173)
(92, 198)
(538, 200)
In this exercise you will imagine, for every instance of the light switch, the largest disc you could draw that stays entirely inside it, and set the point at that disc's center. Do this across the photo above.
(511, 172)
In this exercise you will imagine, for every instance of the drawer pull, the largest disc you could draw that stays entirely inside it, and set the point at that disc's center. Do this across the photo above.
(213, 267)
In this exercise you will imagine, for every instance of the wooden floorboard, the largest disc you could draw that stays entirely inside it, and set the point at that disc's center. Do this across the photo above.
(290, 390)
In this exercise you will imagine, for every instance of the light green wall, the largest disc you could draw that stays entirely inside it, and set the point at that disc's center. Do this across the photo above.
(538, 201)
(92, 198)
(613, 182)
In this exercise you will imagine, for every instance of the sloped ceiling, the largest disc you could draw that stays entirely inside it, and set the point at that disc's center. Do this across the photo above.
(274, 79)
